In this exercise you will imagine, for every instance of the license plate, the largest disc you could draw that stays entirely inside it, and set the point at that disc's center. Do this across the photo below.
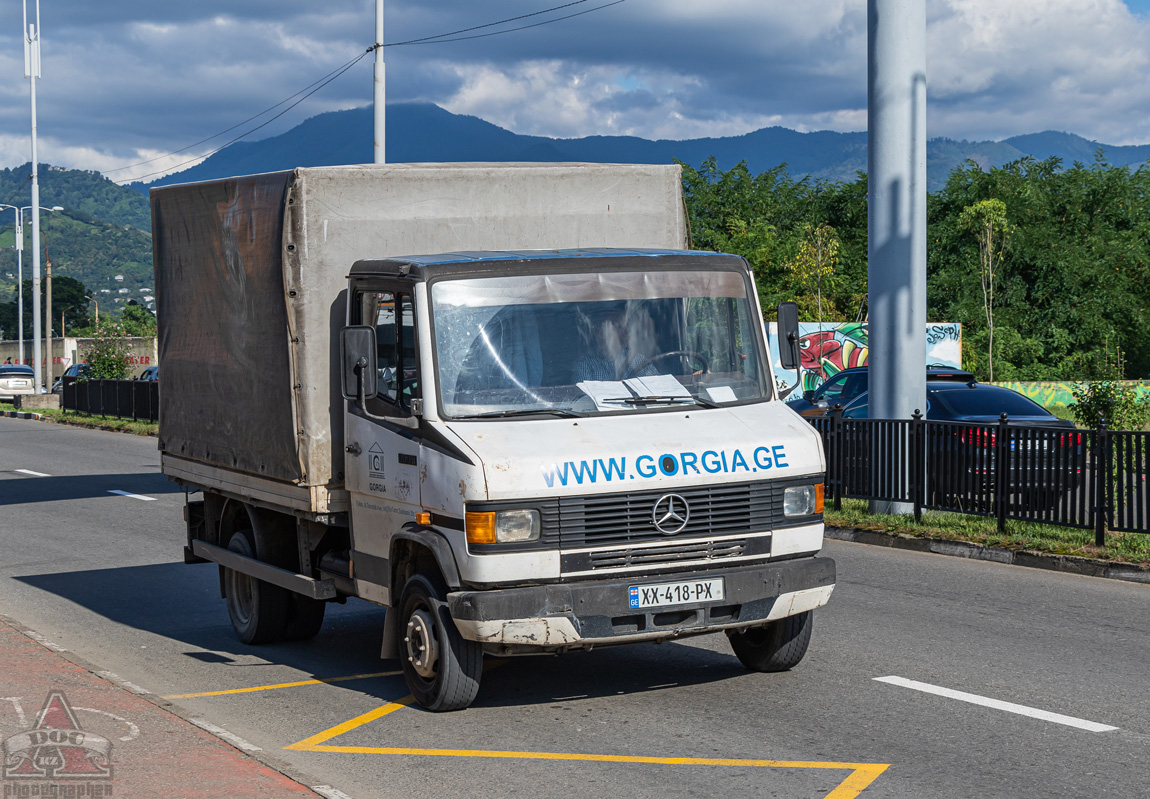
(19, 383)
(685, 592)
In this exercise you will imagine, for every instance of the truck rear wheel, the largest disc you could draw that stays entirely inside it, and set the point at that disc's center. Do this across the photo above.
(258, 610)
(777, 646)
(305, 618)
(441, 668)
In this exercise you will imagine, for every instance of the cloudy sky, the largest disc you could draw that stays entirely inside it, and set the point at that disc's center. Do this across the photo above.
(130, 80)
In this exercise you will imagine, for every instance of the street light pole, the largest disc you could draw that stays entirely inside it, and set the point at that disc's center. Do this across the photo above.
(380, 88)
(93, 299)
(32, 72)
(19, 244)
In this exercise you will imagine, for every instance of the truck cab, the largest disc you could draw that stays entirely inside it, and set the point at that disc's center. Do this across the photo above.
(557, 450)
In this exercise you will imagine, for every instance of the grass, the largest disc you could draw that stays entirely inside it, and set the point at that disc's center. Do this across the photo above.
(1122, 547)
(97, 422)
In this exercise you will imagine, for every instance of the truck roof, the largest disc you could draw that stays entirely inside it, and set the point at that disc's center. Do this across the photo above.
(428, 265)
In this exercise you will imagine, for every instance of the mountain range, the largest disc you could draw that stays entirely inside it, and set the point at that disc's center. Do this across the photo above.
(425, 132)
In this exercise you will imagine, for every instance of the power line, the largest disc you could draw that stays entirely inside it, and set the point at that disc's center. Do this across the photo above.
(340, 70)
(334, 75)
(438, 40)
(331, 76)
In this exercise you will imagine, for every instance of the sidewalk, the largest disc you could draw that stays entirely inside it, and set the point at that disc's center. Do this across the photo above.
(67, 732)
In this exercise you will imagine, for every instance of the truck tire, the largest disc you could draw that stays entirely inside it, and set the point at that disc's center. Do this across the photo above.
(305, 618)
(258, 610)
(442, 669)
(777, 646)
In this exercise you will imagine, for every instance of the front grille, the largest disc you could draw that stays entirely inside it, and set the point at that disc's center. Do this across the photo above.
(609, 526)
(612, 519)
(670, 554)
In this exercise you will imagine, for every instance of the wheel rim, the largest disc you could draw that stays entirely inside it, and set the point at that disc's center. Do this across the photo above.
(241, 590)
(422, 646)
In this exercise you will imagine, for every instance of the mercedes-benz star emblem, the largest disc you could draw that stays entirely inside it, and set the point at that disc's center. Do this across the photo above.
(670, 514)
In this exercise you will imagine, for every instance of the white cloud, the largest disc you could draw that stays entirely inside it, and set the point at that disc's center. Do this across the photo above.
(126, 80)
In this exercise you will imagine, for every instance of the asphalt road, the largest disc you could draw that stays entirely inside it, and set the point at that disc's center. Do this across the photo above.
(101, 574)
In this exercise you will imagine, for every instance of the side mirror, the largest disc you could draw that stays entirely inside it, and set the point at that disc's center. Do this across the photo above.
(809, 395)
(358, 359)
(789, 335)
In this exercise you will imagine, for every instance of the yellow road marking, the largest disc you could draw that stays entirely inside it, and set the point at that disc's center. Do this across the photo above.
(286, 685)
(312, 744)
(860, 778)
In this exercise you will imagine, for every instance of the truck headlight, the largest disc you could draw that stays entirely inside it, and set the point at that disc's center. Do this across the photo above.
(503, 527)
(803, 500)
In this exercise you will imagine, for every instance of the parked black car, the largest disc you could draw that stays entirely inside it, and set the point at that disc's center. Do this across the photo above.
(1045, 453)
(849, 384)
(75, 370)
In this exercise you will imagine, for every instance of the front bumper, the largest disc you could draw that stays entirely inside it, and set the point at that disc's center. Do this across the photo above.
(595, 613)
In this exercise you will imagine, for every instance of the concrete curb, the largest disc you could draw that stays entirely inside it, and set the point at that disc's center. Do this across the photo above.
(22, 415)
(962, 549)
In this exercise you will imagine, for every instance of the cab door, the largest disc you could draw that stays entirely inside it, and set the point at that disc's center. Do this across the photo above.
(383, 453)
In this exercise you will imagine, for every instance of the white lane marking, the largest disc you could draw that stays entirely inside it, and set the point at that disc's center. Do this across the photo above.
(329, 792)
(133, 730)
(15, 700)
(231, 738)
(34, 474)
(133, 496)
(120, 681)
(1009, 707)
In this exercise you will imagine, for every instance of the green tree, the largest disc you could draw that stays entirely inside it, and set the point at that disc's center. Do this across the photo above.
(816, 260)
(138, 320)
(986, 219)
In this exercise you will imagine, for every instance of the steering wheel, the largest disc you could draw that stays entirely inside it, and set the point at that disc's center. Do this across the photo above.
(645, 362)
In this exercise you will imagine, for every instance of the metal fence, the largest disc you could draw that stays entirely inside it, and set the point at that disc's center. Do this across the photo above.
(127, 399)
(1092, 479)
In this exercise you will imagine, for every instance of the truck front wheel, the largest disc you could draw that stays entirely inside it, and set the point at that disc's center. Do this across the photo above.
(777, 646)
(441, 668)
(258, 610)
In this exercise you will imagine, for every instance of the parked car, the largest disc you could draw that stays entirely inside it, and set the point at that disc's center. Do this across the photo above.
(849, 384)
(151, 374)
(16, 379)
(75, 370)
(1045, 452)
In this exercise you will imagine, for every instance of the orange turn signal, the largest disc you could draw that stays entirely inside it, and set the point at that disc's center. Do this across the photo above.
(480, 528)
(818, 497)
(423, 517)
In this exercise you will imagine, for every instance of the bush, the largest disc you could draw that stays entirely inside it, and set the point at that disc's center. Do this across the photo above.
(107, 355)
(1110, 401)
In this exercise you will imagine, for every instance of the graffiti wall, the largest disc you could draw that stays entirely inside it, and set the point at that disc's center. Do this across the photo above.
(827, 349)
(1049, 394)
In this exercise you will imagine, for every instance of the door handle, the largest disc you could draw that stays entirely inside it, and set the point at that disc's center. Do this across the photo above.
(353, 449)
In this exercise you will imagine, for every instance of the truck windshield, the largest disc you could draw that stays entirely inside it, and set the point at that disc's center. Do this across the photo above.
(587, 343)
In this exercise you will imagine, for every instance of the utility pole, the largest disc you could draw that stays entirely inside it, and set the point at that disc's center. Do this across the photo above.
(896, 224)
(380, 89)
(32, 72)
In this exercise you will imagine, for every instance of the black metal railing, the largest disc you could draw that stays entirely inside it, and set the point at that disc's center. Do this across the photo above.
(126, 399)
(1092, 479)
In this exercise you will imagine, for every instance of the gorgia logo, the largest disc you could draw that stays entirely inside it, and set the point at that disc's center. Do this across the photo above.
(57, 748)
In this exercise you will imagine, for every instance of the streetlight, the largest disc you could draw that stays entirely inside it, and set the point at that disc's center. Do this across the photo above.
(31, 35)
(93, 299)
(20, 270)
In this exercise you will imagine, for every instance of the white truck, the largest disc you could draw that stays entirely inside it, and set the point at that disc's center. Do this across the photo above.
(503, 401)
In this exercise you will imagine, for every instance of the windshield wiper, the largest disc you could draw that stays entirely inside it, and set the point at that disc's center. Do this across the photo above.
(662, 399)
(564, 412)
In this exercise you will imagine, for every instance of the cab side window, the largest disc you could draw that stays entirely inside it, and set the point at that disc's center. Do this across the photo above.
(393, 317)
